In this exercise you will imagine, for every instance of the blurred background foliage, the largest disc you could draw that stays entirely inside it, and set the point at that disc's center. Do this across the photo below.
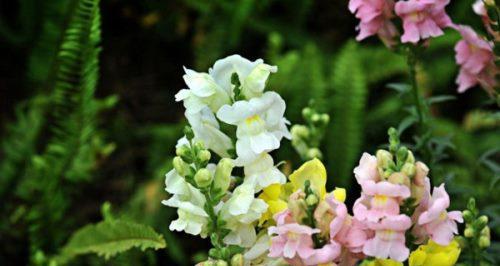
(79, 127)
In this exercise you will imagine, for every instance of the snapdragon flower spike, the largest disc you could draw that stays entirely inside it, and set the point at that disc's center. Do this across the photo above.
(375, 19)
(422, 19)
(476, 59)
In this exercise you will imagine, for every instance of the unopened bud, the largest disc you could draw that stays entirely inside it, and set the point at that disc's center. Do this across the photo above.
(204, 156)
(299, 131)
(198, 146)
(402, 154)
(223, 171)
(311, 200)
(467, 215)
(387, 173)
(325, 119)
(469, 232)
(384, 159)
(482, 221)
(489, 2)
(206, 263)
(417, 192)
(471, 205)
(188, 131)
(421, 171)
(307, 113)
(297, 205)
(399, 179)
(315, 118)
(314, 153)
(183, 151)
(408, 169)
(237, 260)
(221, 263)
(484, 242)
(203, 178)
(486, 231)
(180, 166)
(410, 157)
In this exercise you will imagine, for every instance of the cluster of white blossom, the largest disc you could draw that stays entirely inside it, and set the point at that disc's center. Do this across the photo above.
(231, 93)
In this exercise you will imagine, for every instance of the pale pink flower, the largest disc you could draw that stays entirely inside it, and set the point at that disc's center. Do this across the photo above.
(291, 240)
(325, 254)
(375, 18)
(479, 8)
(389, 240)
(476, 59)
(366, 169)
(379, 200)
(422, 19)
(284, 217)
(439, 224)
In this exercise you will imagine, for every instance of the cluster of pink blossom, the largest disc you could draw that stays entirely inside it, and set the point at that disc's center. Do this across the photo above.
(395, 202)
(423, 19)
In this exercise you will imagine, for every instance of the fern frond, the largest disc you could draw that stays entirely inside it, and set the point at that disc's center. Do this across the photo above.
(345, 135)
(374, 57)
(109, 238)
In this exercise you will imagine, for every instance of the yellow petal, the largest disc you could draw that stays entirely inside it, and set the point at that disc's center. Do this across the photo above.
(339, 194)
(417, 257)
(272, 192)
(315, 172)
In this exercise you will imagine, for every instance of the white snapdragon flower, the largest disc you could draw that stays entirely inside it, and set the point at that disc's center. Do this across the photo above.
(190, 201)
(239, 213)
(252, 75)
(262, 172)
(203, 91)
(260, 125)
(206, 128)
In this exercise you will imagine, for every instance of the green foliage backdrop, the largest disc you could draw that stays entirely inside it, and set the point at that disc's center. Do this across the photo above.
(88, 113)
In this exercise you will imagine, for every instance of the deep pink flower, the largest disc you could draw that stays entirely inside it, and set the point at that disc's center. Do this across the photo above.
(389, 239)
(422, 19)
(439, 224)
(375, 18)
(291, 240)
(379, 200)
(476, 59)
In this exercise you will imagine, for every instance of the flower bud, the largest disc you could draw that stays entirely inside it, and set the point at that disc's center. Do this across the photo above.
(408, 169)
(203, 178)
(180, 166)
(314, 153)
(307, 113)
(183, 151)
(417, 192)
(206, 263)
(399, 179)
(489, 3)
(410, 158)
(223, 171)
(198, 145)
(312, 200)
(221, 263)
(315, 118)
(384, 159)
(237, 260)
(188, 131)
(402, 154)
(325, 119)
(204, 156)
(299, 131)
(421, 171)
(471, 205)
(484, 242)
(469, 232)
(486, 231)
(482, 221)
(467, 215)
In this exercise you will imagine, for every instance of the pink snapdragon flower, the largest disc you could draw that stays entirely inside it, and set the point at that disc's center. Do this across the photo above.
(389, 240)
(366, 169)
(291, 240)
(422, 19)
(375, 18)
(379, 200)
(476, 59)
(439, 224)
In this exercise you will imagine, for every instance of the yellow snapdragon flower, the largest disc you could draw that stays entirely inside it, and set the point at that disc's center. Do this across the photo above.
(382, 262)
(271, 195)
(433, 254)
(315, 172)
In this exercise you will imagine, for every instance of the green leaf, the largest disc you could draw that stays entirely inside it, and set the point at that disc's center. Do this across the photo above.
(109, 238)
(345, 134)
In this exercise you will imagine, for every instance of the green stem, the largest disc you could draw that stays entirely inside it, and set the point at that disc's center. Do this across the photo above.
(412, 65)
